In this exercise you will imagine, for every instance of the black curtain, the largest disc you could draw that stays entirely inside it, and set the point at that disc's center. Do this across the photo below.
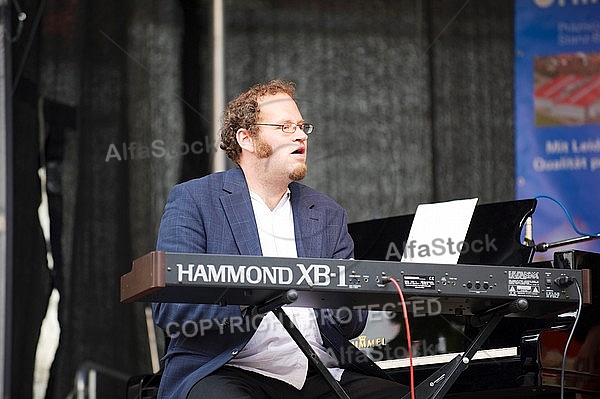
(81, 71)
(412, 100)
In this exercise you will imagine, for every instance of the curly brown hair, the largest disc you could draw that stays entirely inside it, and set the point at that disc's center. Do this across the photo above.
(242, 112)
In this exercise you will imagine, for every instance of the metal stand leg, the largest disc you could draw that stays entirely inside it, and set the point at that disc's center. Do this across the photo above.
(310, 354)
(274, 305)
(439, 383)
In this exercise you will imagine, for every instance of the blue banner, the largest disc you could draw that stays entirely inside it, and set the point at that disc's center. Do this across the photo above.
(557, 111)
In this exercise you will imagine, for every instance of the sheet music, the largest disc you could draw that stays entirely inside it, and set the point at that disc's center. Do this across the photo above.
(438, 231)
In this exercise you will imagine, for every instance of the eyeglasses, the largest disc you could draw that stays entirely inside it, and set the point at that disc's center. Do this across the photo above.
(290, 127)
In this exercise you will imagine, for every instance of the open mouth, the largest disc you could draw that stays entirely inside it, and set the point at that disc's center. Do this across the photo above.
(300, 150)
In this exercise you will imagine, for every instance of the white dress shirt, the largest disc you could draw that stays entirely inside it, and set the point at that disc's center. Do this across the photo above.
(271, 351)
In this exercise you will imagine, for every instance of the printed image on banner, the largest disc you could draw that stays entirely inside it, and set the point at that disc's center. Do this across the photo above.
(557, 118)
(567, 89)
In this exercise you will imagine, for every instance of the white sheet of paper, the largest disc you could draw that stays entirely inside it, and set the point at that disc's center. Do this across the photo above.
(438, 231)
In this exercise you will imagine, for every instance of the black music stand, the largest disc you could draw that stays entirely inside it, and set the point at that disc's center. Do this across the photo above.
(502, 221)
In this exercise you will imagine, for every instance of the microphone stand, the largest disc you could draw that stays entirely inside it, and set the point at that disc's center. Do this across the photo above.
(544, 246)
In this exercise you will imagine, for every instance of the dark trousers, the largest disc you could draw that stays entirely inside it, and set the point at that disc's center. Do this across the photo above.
(231, 382)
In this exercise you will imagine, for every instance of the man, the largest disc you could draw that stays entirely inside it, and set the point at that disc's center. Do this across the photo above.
(259, 208)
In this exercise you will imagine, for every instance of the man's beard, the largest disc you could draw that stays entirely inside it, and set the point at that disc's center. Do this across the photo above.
(298, 173)
(265, 150)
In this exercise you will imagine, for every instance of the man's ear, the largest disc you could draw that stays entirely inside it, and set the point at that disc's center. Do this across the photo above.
(245, 139)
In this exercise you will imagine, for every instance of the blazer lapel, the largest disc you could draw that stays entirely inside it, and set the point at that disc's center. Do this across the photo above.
(308, 221)
(308, 224)
(239, 213)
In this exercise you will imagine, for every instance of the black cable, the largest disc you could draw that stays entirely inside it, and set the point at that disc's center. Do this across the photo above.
(564, 359)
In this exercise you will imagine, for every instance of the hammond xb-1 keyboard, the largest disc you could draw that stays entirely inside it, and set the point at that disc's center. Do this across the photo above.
(330, 283)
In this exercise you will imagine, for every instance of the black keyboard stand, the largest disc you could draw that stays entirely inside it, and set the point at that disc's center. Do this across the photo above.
(436, 385)
(274, 305)
(439, 383)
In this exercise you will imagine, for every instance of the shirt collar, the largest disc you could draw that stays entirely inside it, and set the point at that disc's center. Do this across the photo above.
(282, 202)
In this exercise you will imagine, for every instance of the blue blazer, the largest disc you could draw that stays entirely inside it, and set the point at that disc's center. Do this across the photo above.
(214, 214)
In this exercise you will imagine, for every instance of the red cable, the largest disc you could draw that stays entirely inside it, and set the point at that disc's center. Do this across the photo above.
(409, 342)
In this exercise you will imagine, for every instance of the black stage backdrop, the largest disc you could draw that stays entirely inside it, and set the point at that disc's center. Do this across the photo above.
(413, 103)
